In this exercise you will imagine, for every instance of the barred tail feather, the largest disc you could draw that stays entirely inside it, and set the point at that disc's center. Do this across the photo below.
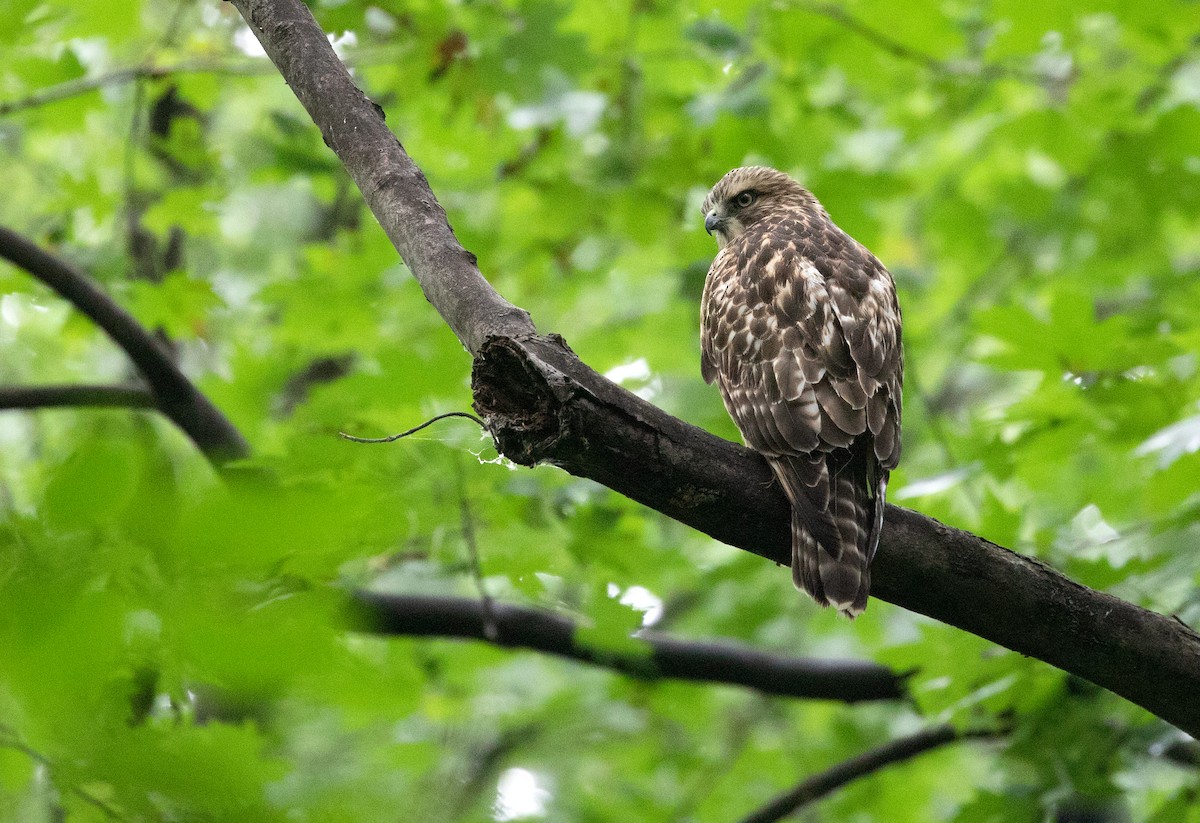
(831, 543)
(843, 583)
(806, 553)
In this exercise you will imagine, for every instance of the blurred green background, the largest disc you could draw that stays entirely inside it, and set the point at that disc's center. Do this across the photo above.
(169, 645)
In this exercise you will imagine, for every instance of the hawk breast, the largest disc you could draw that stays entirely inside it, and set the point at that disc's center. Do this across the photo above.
(801, 332)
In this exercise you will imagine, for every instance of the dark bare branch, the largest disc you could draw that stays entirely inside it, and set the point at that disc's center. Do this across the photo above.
(59, 397)
(174, 394)
(833, 778)
(849, 681)
(395, 189)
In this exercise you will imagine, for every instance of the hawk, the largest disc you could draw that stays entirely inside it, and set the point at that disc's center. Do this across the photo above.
(800, 330)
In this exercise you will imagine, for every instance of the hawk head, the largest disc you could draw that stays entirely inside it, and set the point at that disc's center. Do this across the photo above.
(747, 195)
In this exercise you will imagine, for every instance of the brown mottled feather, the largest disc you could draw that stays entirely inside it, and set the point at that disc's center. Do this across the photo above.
(801, 332)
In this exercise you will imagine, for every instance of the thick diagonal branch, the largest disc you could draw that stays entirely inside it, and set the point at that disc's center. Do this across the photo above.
(849, 681)
(174, 394)
(542, 404)
(395, 189)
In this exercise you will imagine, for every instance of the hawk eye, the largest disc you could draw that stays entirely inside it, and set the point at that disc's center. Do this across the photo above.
(744, 199)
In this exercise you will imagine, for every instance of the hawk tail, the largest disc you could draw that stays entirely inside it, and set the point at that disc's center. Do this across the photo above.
(834, 516)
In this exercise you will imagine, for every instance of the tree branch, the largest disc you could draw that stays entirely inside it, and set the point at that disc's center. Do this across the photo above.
(706, 661)
(833, 778)
(395, 189)
(154, 71)
(875, 37)
(10, 740)
(58, 397)
(543, 405)
(902, 51)
(174, 394)
(116, 77)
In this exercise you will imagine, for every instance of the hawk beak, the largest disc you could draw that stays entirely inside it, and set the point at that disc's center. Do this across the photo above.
(712, 222)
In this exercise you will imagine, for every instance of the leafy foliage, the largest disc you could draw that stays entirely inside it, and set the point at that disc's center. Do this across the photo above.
(169, 645)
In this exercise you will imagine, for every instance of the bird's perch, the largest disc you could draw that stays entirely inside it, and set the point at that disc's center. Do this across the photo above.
(850, 681)
(543, 405)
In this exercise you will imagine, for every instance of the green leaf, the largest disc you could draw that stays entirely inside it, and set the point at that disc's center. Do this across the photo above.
(94, 485)
(179, 305)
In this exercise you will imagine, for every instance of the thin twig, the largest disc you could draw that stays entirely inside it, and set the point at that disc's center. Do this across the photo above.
(490, 630)
(526, 155)
(129, 167)
(1153, 93)
(413, 430)
(137, 131)
(891, 46)
(171, 32)
(148, 71)
(740, 725)
(823, 783)
(117, 77)
(10, 740)
(479, 775)
(903, 51)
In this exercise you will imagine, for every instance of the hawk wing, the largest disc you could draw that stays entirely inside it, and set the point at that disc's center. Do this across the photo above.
(801, 332)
